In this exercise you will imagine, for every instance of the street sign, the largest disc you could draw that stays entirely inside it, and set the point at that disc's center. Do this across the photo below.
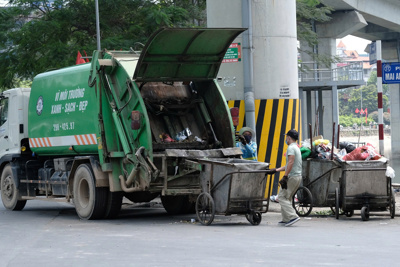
(233, 54)
(391, 72)
(372, 53)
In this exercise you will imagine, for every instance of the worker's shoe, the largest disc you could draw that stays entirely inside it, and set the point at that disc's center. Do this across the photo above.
(281, 223)
(292, 221)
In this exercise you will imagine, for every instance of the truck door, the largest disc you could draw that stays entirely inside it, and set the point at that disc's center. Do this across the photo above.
(4, 133)
(179, 54)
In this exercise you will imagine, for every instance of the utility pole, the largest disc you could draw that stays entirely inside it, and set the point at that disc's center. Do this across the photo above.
(97, 25)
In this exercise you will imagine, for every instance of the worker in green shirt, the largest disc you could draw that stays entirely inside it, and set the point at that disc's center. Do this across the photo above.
(290, 182)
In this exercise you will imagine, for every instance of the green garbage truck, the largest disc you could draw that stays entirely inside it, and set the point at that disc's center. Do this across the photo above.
(127, 124)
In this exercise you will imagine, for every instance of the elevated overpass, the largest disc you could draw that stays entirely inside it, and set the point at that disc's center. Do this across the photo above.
(371, 20)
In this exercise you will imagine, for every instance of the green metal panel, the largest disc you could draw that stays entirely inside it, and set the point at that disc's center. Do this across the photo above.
(62, 113)
(126, 96)
(218, 111)
(178, 54)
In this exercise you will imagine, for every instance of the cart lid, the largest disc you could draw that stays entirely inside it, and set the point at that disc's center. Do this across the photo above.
(368, 163)
(181, 54)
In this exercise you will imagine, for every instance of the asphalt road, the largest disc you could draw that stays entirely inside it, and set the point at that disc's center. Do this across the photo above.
(51, 234)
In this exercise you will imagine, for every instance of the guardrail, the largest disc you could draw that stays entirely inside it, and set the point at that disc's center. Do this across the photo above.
(347, 71)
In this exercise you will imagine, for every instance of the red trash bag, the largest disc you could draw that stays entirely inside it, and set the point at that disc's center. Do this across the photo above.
(366, 152)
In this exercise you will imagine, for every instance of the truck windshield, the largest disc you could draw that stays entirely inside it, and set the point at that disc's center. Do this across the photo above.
(3, 111)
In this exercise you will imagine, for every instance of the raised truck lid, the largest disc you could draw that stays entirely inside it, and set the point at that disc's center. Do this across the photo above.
(184, 54)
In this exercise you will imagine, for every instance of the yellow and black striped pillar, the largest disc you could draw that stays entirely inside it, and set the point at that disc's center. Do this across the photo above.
(274, 118)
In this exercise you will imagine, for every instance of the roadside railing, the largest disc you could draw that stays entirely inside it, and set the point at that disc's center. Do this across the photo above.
(347, 71)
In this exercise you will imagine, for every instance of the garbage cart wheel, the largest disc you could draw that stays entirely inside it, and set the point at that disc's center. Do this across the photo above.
(205, 208)
(393, 205)
(337, 209)
(333, 209)
(365, 213)
(302, 201)
(254, 218)
(349, 213)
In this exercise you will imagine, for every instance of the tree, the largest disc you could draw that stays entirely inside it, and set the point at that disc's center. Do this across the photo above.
(350, 98)
(310, 12)
(373, 79)
(36, 36)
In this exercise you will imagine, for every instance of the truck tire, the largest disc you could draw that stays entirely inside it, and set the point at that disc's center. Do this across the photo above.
(114, 203)
(90, 201)
(177, 204)
(9, 192)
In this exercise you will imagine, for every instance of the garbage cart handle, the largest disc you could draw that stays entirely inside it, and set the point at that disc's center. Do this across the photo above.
(366, 169)
(325, 173)
(230, 173)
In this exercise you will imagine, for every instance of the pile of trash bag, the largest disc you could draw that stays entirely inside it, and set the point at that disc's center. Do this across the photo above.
(347, 151)
(367, 152)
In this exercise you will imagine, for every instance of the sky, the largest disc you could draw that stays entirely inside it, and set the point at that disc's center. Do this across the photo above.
(354, 43)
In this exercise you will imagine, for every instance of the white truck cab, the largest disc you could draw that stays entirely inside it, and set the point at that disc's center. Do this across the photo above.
(13, 120)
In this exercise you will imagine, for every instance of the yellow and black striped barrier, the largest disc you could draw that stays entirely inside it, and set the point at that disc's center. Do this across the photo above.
(274, 118)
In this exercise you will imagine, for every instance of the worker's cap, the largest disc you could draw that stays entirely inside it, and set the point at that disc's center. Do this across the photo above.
(294, 134)
(247, 129)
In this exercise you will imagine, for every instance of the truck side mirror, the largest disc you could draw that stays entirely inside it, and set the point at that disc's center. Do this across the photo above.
(235, 116)
(136, 120)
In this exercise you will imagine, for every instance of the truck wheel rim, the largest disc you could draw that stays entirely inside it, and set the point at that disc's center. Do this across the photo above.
(84, 193)
(8, 187)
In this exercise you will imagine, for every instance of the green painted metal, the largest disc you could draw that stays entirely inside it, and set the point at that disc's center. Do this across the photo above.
(62, 110)
(177, 54)
(218, 111)
(86, 109)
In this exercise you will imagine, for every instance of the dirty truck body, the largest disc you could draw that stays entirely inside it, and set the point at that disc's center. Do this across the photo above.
(96, 132)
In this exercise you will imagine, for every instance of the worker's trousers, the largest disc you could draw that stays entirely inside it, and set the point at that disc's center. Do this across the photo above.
(285, 197)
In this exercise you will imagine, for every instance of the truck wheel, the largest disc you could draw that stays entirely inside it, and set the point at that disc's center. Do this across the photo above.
(90, 201)
(9, 192)
(176, 204)
(114, 203)
(392, 205)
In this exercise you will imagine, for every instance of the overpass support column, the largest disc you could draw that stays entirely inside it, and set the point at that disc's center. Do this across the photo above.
(394, 153)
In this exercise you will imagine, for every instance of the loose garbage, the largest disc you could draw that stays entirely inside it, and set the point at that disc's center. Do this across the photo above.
(322, 148)
(179, 137)
(347, 151)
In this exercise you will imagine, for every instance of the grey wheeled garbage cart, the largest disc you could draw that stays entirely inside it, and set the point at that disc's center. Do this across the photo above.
(364, 186)
(345, 187)
(317, 188)
(232, 186)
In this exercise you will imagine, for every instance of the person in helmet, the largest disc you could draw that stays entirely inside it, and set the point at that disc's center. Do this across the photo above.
(247, 144)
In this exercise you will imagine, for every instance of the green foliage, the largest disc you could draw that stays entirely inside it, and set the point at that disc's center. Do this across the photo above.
(386, 118)
(36, 36)
(348, 121)
(350, 99)
(310, 12)
(373, 80)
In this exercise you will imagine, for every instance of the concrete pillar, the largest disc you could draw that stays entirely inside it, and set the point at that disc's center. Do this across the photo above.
(342, 24)
(395, 128)
(393, 51)
(323, 99)
(275, 44)
(230, 75)
(274, 47)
